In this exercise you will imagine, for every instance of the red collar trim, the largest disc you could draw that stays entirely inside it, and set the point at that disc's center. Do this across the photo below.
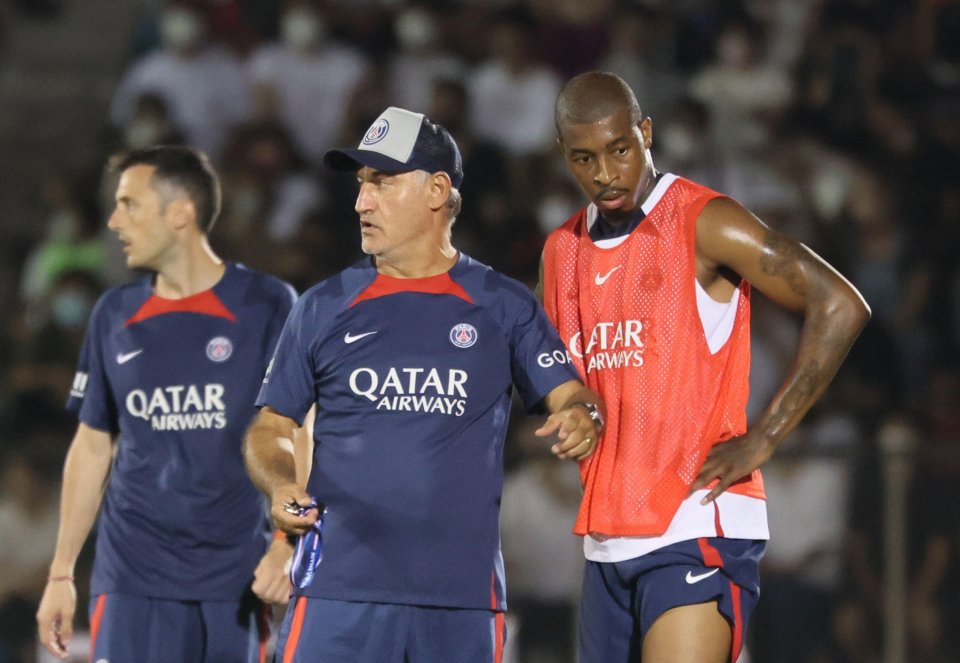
(384, 285)
(205, 303)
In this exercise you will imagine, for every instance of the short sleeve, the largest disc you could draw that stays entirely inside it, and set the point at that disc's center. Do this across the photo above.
(90, 395)
(539, 360)
(288, 386)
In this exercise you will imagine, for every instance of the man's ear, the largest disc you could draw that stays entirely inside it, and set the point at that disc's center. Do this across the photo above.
(646, 131)
(182, 212)
(440, 185)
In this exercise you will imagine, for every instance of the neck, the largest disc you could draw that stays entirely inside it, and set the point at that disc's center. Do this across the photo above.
(197, 269)
(620, 218)
(438, 260)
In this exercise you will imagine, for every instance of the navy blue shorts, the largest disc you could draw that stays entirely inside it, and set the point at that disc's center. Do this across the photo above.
(146, 630)
(622, 600)
(329, 631)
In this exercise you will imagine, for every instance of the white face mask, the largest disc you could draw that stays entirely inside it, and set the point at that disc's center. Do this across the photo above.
(415, 29)
(64, 226)
(302, 30)
(553, 210)
(70, 308)
(142, 133)
(677, 142)
(180, 29)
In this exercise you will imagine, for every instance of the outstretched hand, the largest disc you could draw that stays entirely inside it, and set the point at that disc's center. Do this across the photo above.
(730, 461)
(576, 433)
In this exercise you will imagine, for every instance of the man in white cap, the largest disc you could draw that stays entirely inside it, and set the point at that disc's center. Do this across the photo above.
(410, 356)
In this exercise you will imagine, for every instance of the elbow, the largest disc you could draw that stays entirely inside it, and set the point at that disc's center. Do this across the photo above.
(850, 310)
(861, 312)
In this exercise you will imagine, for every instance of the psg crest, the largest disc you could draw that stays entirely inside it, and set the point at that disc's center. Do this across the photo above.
(463, 335)
(219, 349)
(376, 133)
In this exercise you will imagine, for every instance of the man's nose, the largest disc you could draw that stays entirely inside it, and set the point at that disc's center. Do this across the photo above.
(604, 174)
(364, 198)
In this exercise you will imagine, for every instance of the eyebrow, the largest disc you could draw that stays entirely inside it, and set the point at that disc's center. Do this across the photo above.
(377, 175)
(607, 145)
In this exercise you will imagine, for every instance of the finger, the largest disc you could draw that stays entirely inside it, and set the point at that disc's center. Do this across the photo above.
(574, 450)
(550, 426)
(281, 592)
(716, 492)
(707, 474)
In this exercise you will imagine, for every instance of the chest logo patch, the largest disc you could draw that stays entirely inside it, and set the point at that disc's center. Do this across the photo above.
(219, 349)
(463, 335)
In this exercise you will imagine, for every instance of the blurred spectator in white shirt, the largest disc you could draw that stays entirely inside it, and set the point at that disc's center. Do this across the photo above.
(745, 93)
(306, 80)
(420, 61)
(542, 557)
(511, 94)
(202, 83)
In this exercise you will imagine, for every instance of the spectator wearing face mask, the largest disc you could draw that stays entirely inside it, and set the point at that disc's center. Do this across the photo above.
(45, 343)
(420, 62)
(202, 83)
(150, 125)
(71, 242)
(744, 91)
(306, 79)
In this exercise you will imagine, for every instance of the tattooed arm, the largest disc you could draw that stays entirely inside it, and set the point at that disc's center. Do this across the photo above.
(731, 244)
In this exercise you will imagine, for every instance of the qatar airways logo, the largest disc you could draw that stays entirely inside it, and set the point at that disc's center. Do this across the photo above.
(428, 390)
(180, 407)
(619, 344)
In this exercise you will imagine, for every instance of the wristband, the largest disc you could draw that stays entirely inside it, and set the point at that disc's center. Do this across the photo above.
(59, 578)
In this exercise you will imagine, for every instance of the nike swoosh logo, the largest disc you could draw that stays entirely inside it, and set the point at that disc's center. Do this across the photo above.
(600, 280)
(124, 357)
(353, 338)
(691, 579)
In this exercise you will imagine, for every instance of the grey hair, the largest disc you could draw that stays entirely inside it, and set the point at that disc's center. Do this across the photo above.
(454, 203)
(454, 199)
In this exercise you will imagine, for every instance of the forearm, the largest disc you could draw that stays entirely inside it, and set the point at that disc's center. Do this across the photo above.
(569, 394)
(85, 473)
(829, 330)
(268, 451)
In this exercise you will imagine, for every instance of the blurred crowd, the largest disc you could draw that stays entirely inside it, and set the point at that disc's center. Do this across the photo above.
(836, 121)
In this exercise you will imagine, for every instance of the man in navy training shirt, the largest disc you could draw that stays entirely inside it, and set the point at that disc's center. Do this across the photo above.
(410, 357)
(165, 388)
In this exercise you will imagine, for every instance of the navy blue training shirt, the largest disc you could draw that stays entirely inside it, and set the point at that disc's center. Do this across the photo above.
(176, 381)
(412, 379)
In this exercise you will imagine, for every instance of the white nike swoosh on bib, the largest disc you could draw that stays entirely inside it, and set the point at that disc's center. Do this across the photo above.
(691, 579)
(600, 280)
(124, 357)
(352, 338)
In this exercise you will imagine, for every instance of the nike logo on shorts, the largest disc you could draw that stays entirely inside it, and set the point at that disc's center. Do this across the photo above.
(600, 280)
(124, 357)
(692, 579)
(353, 338)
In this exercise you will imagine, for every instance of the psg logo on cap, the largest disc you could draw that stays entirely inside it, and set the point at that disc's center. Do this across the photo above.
(463, 335)
(219, 349)
(376, 132)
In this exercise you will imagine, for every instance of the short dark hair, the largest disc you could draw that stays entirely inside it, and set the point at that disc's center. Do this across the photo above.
(592, 96)
(185, 168)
